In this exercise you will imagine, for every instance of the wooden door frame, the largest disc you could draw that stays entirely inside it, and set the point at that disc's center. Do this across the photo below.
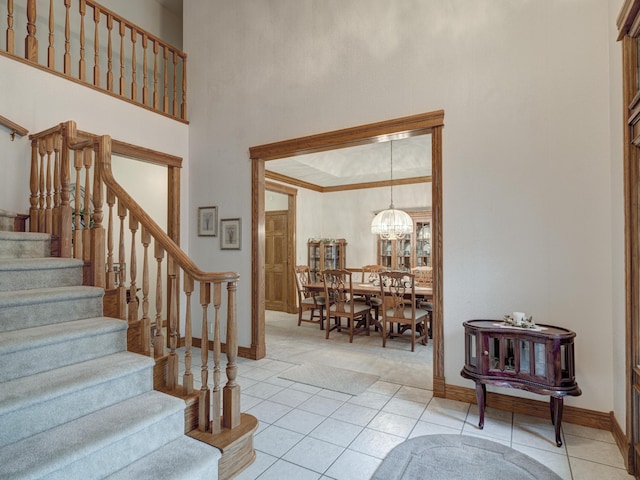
(421, 124)
(292, 198)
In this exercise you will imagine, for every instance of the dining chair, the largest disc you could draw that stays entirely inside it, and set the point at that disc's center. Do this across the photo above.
(398, 294)
(424, 278)
(307, 300)
(371, 274)
(338, 286)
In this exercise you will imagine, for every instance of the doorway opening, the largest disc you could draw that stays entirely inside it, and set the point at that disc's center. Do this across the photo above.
(428, 123)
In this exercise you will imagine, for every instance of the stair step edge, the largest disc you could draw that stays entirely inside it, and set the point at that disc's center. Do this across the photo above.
(49, 451)
(17, 340)
(25, 392)
(24, 236)
(168, 462)
(51, 294)
(48, 263)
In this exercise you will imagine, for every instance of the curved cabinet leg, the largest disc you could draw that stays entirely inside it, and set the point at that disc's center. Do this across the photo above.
(556, 409)
(481, 398)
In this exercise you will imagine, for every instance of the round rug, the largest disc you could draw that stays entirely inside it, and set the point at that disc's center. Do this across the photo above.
(450, 457)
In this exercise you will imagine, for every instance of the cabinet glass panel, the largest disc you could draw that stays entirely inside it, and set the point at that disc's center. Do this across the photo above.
(423, 244)
(525, 355)
(385, 253)
(404, 255)
(564, 360)
(494, 353)
(509, 354)
(540, 360)
(472, 350)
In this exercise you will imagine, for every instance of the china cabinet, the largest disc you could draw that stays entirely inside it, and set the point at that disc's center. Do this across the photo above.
(323, 255)
(538, 360)
(411, 251)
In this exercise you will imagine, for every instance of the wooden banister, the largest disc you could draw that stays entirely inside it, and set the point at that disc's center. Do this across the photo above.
(85, 29)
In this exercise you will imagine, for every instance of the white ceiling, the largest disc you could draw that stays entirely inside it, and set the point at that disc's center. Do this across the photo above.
(361, 164)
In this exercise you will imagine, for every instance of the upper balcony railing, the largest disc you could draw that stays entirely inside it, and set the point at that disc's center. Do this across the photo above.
(80, 38)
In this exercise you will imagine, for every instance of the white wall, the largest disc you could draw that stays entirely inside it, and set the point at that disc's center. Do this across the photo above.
(527, 174)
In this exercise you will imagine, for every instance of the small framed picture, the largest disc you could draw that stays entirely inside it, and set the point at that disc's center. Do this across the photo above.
(230, 234)
(207, 221)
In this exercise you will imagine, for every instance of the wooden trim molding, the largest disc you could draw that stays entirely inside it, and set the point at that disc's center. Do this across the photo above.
(536, 408)
(624, 445)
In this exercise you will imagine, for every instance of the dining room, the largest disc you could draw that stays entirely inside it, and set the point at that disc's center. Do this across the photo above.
(329, 199)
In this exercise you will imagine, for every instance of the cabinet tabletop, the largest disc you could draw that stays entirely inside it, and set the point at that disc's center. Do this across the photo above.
(500, 326)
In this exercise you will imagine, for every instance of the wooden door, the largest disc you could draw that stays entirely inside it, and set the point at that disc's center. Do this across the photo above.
(276, 268)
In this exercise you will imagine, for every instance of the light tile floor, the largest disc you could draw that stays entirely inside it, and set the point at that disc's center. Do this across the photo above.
(311, 433)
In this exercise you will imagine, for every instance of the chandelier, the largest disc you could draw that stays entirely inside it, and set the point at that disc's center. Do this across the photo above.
(392, 224)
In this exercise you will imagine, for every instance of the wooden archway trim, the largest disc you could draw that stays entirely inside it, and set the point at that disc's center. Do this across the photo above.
(420, 124)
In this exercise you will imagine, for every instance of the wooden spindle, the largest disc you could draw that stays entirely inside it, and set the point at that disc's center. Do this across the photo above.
(10, 32)
(122, 271)
(111, 275)
(41, 194)
(96, 46)
(85, 212)
(133, 271)
(82, 67)
(216, 399)
(174, 109)
(231, 392)
(67, 36)
(57, 186)
(78, 157)
(158, 340)
(187, 378)
(183, 110)
(145, 324)
(145, 90)
(122, 80)
(165, 79)
(155, 74)
(172, 367)
(51, 51)
(31, 42)
(109, 53)
(33, 187)
(48, 215)
(204, 401)
(134, 86)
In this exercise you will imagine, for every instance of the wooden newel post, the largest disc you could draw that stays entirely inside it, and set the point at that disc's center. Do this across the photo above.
(66, 246)
(98, 259)
(33, 186)
(231, 391)
(31, 42)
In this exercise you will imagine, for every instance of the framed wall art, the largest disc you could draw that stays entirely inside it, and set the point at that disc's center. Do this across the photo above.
(230, 234)
(207, 221)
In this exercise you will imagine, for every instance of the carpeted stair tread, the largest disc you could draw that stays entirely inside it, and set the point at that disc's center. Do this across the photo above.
(19, 340)
(182, 459)
(97, 444)
(38, 349)
(24, 245)
(30, 273)
(72, 391)
(41, 306)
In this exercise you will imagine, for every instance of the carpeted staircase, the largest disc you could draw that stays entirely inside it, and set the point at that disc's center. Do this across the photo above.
(74, 404)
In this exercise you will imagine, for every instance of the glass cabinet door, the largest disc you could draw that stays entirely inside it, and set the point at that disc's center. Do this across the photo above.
(385, 249)
(423, 244)
(404, 254)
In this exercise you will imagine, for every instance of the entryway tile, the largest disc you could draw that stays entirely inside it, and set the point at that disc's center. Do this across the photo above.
(374, 443)
(585, 470)
(355, 414)
(259, 465)
(392, 423)
(314, 454)
(593, 450)
(353, 466)
(283, 469)
(276, 441)
(558, 462)
(300, 421)
(336, 432)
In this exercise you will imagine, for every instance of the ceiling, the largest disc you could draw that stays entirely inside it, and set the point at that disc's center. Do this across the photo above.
(360, 164)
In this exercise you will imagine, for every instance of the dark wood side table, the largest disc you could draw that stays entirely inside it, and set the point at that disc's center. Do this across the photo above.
(537, 360)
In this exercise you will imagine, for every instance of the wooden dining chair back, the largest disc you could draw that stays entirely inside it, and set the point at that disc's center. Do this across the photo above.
(423, 276)
(371, 275)
(398, 293)
(307, 300)
(338, 287)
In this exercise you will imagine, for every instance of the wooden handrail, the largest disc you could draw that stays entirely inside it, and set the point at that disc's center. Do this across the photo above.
(14, 127)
